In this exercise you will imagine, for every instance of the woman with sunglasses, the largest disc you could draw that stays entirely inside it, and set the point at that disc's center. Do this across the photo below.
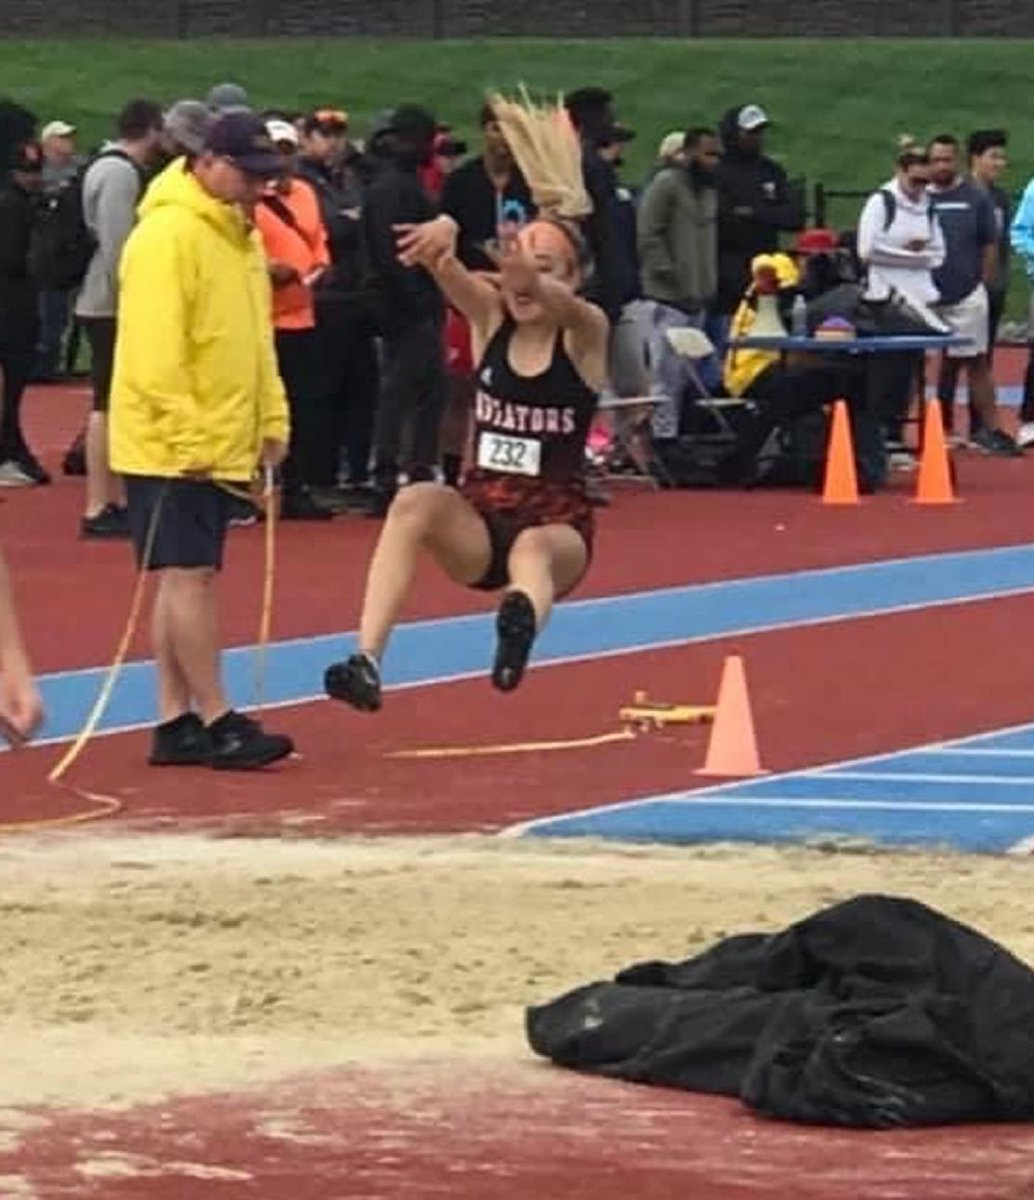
(900, 244)
(521, 520)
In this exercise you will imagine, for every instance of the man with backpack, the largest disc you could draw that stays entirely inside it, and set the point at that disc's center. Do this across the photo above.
(111, 188)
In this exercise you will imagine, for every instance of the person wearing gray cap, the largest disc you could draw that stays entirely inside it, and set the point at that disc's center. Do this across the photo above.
(228, 97)
(186, 126)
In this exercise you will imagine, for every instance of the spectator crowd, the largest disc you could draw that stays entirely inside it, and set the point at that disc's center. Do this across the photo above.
(378, 370)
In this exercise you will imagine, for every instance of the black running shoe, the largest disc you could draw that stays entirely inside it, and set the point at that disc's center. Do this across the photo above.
(110, 522)
(356, 681)
(32, 467)
(515, 630)
(241, 744)
(183, 742)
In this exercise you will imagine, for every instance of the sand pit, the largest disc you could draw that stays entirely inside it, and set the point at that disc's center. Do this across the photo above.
(135, 968)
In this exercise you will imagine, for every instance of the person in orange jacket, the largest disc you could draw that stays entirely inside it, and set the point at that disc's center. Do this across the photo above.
(290, 221)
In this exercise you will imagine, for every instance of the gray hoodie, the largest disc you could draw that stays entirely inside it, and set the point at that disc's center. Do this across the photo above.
(678, 241)
(111, 192)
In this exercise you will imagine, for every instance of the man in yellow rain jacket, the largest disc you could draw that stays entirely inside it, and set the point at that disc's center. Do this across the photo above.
(196, 404)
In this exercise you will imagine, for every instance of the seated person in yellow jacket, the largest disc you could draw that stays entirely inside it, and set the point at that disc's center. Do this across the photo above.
(782, 393)
(196, 407)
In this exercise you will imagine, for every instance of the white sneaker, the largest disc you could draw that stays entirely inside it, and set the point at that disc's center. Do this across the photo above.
(12, 476)
(901, 460)
(1025, 436)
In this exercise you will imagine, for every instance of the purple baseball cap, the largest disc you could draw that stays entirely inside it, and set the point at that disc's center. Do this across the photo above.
(242, 138)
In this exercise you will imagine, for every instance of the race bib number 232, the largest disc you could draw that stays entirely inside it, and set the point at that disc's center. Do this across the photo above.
(514, 455)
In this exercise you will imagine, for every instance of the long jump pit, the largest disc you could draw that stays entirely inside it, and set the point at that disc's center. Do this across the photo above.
(286, 1019)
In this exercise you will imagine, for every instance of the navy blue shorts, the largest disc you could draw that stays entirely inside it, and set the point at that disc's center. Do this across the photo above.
(192, 521)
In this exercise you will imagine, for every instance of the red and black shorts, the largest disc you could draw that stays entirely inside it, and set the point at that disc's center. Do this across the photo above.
(509, 504)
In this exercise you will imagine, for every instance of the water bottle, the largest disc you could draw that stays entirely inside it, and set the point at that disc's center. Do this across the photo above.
(799, 318)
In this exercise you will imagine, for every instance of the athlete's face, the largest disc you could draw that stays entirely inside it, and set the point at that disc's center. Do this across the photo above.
(546, 252)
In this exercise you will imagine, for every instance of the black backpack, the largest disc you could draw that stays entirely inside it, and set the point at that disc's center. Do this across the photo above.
(890, 209)
(60, 244)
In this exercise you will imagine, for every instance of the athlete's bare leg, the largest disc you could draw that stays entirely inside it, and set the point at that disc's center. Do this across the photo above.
(423, 517)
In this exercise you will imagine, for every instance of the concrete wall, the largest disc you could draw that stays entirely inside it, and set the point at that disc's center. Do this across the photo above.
(493, 18)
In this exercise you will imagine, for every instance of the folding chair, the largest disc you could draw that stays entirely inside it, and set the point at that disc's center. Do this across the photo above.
(694, 346)
(633, 435)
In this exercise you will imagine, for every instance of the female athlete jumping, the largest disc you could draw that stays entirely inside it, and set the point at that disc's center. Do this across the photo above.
(521, 519)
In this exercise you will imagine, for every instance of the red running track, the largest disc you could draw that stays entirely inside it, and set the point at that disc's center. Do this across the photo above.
(514, 1131)
(820, 694)
(647, 540)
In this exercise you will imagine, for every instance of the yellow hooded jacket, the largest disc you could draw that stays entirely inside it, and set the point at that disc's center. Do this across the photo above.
(195, 386)
(742, 367)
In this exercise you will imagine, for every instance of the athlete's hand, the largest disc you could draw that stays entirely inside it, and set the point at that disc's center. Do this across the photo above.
(424, 245)
(517, 269)
(21, 709)
(273, 453)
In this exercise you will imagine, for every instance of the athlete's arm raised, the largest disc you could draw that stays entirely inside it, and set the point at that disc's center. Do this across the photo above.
(432, 245)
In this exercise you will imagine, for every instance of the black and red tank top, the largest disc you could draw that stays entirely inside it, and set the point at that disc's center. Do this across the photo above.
(534, 426)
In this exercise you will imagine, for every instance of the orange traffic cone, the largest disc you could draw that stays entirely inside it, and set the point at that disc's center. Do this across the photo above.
(841, 486)
(733, 749)
(934, 485)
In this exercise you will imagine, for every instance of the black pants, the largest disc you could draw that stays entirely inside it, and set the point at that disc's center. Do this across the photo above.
(100, 333)
(297, 352)
(783, 396)
(411, 401)
(350, 381)
(17, 363)
(891, 379)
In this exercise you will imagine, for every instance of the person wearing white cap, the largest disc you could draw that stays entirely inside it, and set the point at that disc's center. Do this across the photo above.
(61, 164)
(672, 150)
(755, 199)
(290, 221)
(60, 161)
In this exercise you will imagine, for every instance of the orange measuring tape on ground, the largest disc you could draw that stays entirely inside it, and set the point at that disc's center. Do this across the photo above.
(103, 805)
(637, 718)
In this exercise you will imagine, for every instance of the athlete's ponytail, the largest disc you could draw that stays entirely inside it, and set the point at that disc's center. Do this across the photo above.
(546, 147)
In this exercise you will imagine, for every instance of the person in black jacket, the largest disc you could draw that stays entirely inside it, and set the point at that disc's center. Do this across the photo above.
(755, 202)
(484, 193)
(615, 280)
(411, 311)
(21, 165)
(344, 324)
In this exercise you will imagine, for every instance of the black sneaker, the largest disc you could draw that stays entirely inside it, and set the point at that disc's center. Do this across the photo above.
(515, 629)
(110, 522)
(243, 513)
(183, 742)
(241, 744)
(300, 506)
(32, 467)
(74, 462)
(356, 681)
(996, 442)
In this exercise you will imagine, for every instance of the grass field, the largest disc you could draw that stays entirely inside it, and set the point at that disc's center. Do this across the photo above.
(838, 106)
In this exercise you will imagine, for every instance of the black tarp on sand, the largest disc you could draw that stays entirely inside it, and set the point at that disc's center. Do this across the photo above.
(877, 1012)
